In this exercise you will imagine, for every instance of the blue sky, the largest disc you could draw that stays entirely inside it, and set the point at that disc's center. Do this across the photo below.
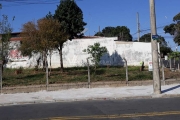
(97, 13)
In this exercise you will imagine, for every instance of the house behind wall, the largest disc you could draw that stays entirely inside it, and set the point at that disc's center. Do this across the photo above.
(73, 55)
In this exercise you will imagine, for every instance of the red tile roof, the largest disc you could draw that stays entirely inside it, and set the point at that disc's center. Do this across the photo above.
(15, 39)
(85, 37)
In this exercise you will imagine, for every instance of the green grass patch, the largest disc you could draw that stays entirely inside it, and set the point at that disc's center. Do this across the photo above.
(76, 74)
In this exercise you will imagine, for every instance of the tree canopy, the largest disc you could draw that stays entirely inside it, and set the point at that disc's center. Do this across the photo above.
(71, 18)
(66, 23)
(175, 55)
(164, 49)
(29, 39)
(40, 36)
(122, 32)
(174, 29)
(147, 38)
(96, 53)
(5, 31)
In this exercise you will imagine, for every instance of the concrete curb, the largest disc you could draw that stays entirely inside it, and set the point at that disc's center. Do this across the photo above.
(65, 86)
(110, 98)
(102, 85)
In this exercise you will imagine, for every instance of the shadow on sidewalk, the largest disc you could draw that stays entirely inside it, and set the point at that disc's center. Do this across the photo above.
(175, 87)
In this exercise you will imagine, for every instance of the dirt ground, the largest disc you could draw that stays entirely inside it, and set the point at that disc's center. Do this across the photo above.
(170, 74)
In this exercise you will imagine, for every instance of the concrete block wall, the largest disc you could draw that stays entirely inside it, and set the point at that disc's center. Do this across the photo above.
(73, 55)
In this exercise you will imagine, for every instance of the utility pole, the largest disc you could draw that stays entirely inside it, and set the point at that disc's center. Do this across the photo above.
(1, 56)
(155, 60)
(138, 27)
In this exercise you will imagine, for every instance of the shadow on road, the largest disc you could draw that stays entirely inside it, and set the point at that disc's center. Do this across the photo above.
(175, 87)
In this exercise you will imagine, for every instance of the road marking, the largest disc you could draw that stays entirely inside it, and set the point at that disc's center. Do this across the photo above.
(150, 114)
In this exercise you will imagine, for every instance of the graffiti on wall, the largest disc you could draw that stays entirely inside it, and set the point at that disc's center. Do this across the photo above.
(15, 55)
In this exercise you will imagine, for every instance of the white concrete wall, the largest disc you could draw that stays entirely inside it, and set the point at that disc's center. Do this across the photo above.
(74, 56)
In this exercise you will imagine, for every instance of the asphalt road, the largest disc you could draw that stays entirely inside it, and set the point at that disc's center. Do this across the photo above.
(136, 109)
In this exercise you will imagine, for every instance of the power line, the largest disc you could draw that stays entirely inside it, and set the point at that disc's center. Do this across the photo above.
(19, 3)
(28, 2)
(158, 27)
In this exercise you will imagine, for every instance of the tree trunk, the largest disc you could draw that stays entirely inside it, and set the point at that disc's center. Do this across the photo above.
(174, 63)
(44, 61)
(47, 73)
(50, 55)
(61, 58)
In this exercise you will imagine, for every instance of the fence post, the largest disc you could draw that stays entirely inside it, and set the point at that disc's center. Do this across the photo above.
(163, 77)
(47, 75)
(88, 73)
(162, 66)
(1, 65)
(170, 64)
(126, 71)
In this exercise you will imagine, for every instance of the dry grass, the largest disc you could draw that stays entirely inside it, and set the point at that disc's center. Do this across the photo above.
(77, 74)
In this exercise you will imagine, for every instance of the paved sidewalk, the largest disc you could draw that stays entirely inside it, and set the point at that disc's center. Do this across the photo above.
(103, 93)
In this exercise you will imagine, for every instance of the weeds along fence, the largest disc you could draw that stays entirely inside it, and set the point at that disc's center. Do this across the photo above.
(77, 77)
(19, 77)
(171, 69)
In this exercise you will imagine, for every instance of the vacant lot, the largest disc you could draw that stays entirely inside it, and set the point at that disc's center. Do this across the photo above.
(21, 77)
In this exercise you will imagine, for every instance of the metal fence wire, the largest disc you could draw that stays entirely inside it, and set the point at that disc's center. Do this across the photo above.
(171, 69)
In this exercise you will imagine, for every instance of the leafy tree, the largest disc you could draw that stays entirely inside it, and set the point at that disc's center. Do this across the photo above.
(71, 18)
(109, 31)
(99, 34)
(170, 29)
(164, 49)
(145, 38)
(61, 36)
(45, 36)
(5, 31)
(174, 55)
(40, 37)
(122, 32)
(50, 16)
(174, 29)
(96, 53)
(30, 39)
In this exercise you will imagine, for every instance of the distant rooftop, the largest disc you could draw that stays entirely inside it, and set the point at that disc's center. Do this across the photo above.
(15, 37)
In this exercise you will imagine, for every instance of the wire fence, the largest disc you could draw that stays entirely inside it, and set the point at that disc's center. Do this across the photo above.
(74, 76)
(171, 69)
